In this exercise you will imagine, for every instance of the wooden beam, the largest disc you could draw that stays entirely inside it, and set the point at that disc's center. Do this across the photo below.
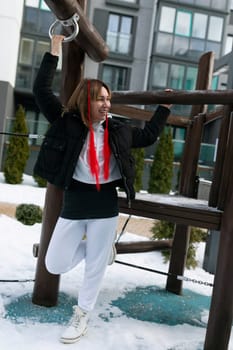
(176, 209)
(144, 115)
(182, 97)
(143, 246)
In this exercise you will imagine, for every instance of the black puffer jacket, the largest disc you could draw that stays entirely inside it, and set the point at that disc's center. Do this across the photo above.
(64, 140)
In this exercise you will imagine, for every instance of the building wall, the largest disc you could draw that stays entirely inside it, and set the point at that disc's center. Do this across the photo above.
(11, 13)
(139, 63)
(10, 25)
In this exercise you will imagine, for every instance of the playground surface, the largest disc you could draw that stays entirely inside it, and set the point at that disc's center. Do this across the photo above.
(133, 311)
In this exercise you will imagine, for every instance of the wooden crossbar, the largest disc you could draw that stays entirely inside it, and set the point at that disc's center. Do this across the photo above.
(176, 209)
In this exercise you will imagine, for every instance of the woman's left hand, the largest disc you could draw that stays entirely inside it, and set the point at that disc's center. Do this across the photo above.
(164, 104)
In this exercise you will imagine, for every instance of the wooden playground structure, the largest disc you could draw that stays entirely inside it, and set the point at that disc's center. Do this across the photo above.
(184, 209)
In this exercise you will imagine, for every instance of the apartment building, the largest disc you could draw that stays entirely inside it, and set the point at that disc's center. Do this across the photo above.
(153, 44)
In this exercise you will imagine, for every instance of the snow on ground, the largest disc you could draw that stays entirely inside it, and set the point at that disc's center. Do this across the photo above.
(26, 326)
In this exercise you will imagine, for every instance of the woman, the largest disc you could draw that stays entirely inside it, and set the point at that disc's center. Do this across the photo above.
(86, 153)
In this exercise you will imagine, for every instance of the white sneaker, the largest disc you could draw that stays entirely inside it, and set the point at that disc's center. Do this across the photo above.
(112, 255)
(77, 326)
(113, 252)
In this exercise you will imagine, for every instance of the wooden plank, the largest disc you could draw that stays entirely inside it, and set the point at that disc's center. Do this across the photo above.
(176, 209)
(143, 246)
(180, 97)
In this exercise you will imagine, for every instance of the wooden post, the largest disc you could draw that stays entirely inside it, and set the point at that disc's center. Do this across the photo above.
(220, 317)
(188, 175)
(46, 285)
(220, 179)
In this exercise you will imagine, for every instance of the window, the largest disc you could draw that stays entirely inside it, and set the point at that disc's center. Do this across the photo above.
(164, 43)
(165, 25)
(229, 44)
(37, 124)
(191, 77)
(188, 33)
(199, 25)
(176, 76)
(119, 33)
(32, 3)
(38, 4)
(116, 77)
(183, 23)
(160, 74)
(26, 51)
(41, 48)
(215, 28)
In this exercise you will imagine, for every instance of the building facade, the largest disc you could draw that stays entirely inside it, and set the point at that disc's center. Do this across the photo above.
(153, 44)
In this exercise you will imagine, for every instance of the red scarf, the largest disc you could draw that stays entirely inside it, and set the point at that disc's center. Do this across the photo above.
(93, 160)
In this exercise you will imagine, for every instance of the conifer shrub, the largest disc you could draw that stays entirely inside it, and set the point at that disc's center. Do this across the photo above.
(29, 214)
(161, 171)
(40, 181)
(138, 154)
(17, 150)
(165, 230)
(161, 182)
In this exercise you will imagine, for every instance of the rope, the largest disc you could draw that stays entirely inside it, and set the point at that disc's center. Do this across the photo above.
(179, 277)
(123, 228)
(30, 136)
(19, 281)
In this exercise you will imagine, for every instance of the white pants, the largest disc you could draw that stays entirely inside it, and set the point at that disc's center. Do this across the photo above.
(67, 248)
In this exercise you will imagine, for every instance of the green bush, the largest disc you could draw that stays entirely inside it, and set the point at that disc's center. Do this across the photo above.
(138, 154)
(17, 152)
(40, 181)
(161, 171)
(29, 214)
(165, 230)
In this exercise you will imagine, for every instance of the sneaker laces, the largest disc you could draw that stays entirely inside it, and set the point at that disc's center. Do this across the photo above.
(77, 316)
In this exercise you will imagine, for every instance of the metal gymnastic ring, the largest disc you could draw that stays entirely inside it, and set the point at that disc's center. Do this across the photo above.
(73, 21)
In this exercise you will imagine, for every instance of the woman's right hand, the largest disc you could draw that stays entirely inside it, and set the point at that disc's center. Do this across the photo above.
(56, 44)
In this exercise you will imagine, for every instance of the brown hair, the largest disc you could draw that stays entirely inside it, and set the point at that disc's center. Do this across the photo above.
(78, 100)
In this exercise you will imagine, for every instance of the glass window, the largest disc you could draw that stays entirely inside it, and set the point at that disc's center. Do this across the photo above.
(115, 77)
(45, 21)
(165, 25)
(199, 25)
(32, 3)
(219, 4)
(214, 83)
(37, 124)
(125, 35)
(26, 51)
(215, 28)
(183, 23)
(113, 23)
(164, 43)
(215, 47)
(23, 78)
(160, 73)
(197, 47)
(181, 46)
(119, 33)
(200, 2)
(30, 19)
(44, 6)
(41, 48)
(191, 77)
(176, 76)
(229, 44)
